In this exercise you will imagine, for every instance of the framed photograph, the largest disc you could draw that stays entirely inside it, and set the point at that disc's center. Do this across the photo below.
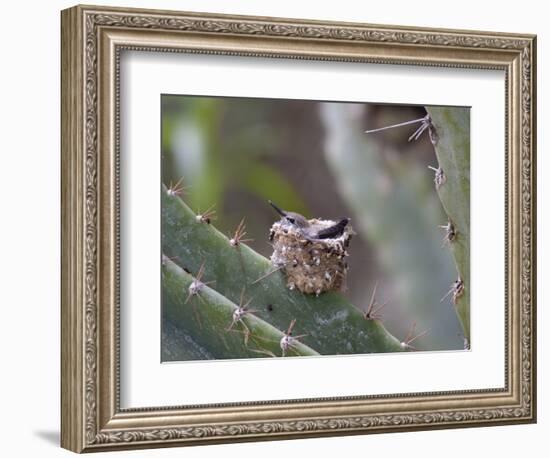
(278, 228)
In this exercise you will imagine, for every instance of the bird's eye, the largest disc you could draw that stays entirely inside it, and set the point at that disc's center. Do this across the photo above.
(291, 220)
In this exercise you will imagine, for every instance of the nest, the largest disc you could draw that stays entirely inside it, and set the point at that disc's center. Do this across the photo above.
(313, 266)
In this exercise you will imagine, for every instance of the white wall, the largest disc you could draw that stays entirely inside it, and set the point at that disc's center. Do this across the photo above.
(29, 227)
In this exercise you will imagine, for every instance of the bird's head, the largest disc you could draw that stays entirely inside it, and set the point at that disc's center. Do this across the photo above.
(291, 217)
(296, 219)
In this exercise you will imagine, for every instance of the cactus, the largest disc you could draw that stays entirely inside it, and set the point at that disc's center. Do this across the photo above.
(451, 139)
(212, 328)
(332, 325)
(395, 208)
(178, 345)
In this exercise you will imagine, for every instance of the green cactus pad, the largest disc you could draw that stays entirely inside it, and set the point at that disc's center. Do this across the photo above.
(452, 147)
(207, 321)
(332, 325)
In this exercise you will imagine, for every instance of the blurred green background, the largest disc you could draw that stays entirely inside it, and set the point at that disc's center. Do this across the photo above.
(314, 158)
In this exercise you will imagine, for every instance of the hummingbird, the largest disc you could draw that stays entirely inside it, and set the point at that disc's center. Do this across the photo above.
(309, 230)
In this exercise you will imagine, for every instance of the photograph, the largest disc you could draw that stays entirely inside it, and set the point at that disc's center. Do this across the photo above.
(312, 228)
(285, 227)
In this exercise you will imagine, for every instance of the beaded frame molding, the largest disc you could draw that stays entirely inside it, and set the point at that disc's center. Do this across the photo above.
(92, 40)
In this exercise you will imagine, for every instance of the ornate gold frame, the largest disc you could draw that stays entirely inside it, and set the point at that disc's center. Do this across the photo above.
(92, 38)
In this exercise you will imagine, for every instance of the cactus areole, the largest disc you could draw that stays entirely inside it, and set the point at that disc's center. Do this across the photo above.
(312, 265)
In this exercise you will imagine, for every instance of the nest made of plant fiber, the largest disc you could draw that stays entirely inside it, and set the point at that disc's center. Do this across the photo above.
(313, 266)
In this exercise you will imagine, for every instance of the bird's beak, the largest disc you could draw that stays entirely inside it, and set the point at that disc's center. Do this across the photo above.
(277, 209)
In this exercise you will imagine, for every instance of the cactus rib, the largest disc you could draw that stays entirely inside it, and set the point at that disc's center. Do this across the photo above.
(452, 148)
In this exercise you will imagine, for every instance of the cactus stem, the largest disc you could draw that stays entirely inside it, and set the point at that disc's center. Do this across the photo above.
(453, 155)
(195, 310)
(347, 333)
(264, 352)
(177, 189)
(207, 216)
(197, 313)
(208, 321)
(411, 337)
(246, 332)
(249, 335)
